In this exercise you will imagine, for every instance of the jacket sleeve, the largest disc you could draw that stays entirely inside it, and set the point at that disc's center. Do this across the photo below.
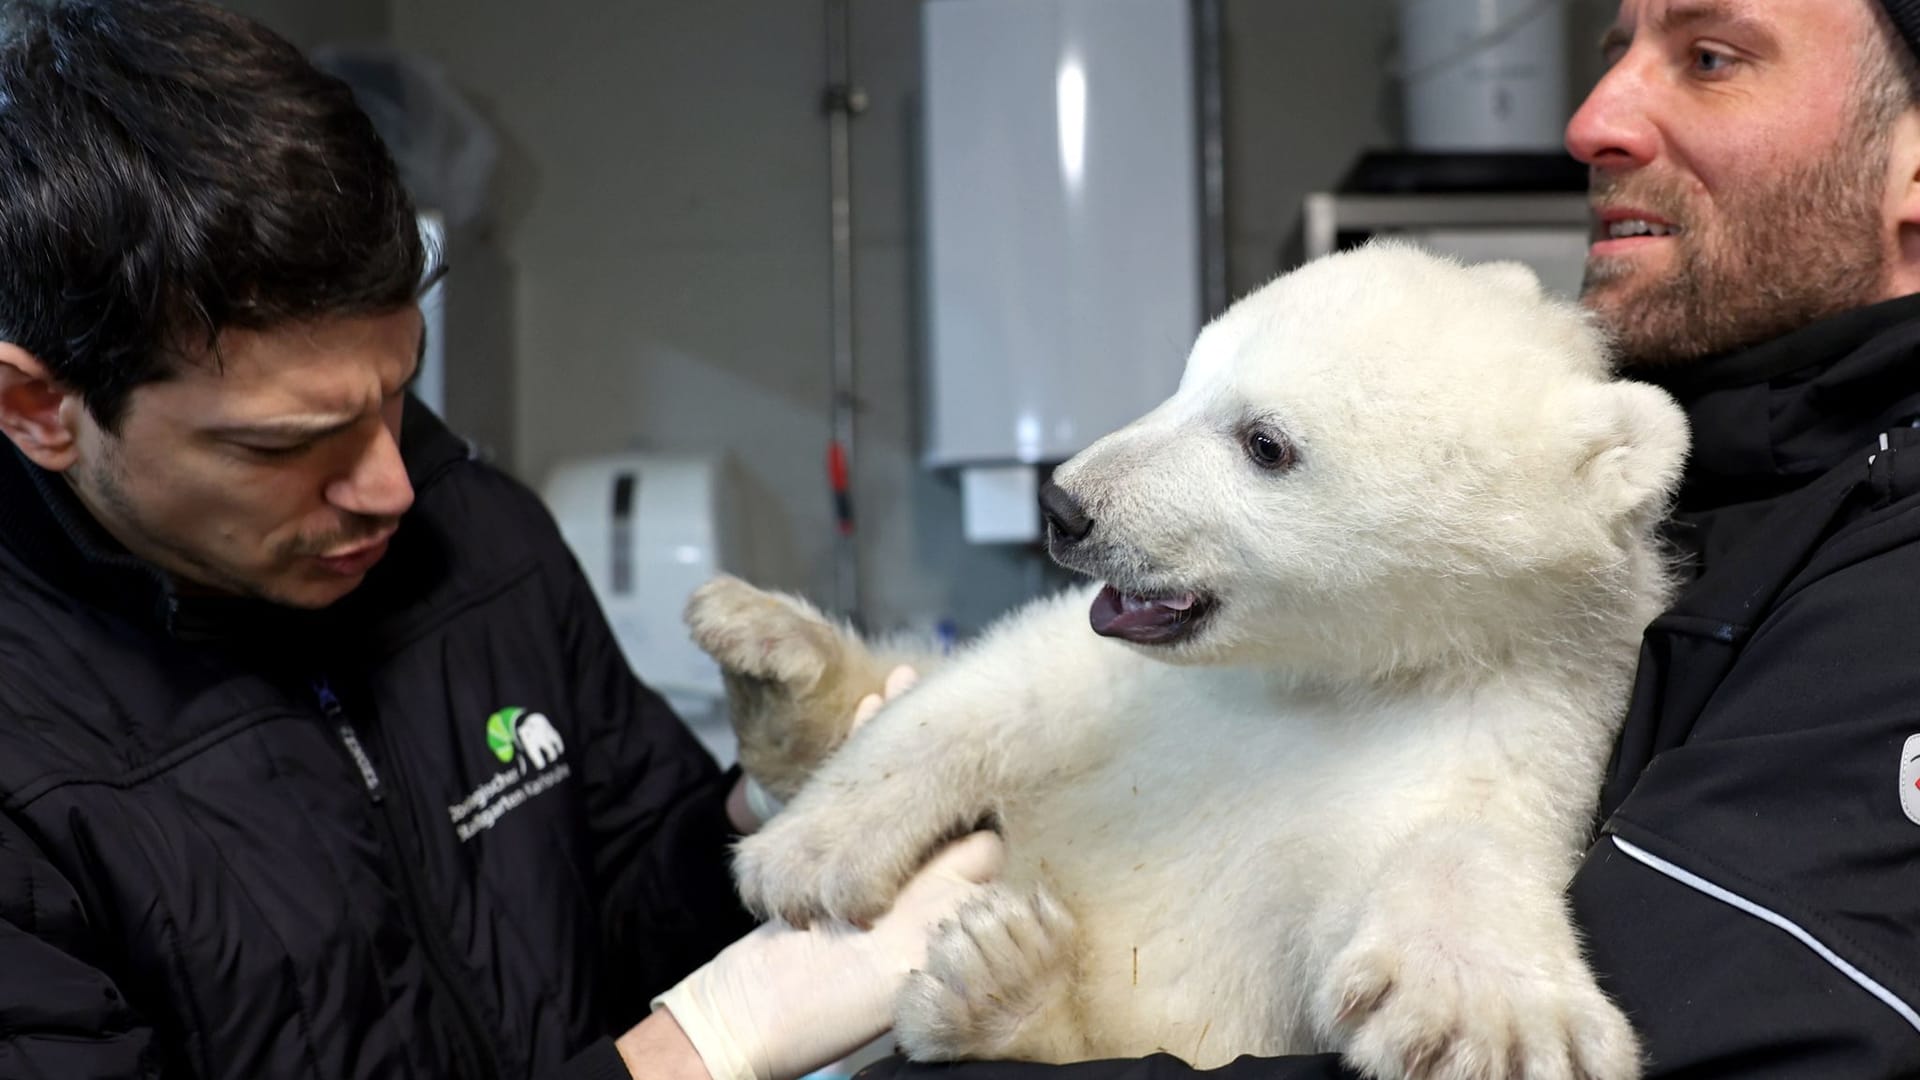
(599, 1061)
(61, 1018)
(1754, 902)
(656, 814)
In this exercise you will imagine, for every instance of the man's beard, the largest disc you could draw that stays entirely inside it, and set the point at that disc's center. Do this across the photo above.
(190, 570)
(101, 481)
(1806, 245)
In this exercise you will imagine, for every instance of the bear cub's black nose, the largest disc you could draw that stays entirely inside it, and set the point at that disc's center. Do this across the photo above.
(1065, 518)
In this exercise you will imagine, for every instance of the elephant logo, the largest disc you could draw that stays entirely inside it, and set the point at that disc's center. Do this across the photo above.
(531, 733)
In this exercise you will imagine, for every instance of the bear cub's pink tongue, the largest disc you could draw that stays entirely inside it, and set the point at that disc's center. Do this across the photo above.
(1141, 619)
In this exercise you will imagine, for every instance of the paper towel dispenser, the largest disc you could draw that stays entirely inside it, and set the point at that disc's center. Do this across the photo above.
(648, 529)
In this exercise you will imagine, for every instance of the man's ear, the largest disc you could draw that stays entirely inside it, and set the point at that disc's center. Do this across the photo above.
(1904, 208)
(36, 412)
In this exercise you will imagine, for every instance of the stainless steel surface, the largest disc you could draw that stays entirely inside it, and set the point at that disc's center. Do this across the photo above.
(1327, 215)
(1063, 221)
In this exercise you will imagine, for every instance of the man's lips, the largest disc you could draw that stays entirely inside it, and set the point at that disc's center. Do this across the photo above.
(1619, 230)
(357, 559)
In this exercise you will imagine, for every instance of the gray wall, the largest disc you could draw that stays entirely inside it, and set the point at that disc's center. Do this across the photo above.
(307, 23)
(665, 196)
(663, 200)
(1306, 93)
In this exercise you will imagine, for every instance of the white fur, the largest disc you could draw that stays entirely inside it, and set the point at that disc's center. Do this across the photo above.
(1341, 815)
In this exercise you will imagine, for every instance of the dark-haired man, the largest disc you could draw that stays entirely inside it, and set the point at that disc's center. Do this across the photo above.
(317, 758)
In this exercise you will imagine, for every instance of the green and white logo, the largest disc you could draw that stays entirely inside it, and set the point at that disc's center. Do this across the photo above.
(518, 731)
(500, 732)
(513, 734)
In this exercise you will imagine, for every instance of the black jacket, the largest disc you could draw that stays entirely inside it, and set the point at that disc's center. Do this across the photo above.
(1752, 899)
(238, 841)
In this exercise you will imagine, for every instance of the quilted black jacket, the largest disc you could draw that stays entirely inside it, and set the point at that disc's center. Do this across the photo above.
(438, 830)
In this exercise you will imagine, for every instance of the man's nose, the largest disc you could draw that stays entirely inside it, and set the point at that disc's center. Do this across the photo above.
(1614, 127)
(376, 485)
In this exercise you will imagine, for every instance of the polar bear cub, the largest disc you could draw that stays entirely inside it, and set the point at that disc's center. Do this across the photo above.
(1310, 768)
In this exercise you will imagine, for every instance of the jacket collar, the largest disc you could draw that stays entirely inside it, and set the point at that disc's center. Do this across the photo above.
(44, 524)
(1769, 418)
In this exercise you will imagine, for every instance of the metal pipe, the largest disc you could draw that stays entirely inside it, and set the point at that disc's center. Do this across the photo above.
(843, 101)
(1210, 98)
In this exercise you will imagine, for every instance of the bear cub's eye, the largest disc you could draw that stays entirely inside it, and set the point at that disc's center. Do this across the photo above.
(1268, 448)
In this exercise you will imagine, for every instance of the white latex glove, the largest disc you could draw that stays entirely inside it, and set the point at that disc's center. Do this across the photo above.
(760, 803)
(781, 1002)
(898, 681)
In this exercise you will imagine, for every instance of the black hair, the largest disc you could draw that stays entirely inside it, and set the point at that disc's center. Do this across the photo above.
(169, 170)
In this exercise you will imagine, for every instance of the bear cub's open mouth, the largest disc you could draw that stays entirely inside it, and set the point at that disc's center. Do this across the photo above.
(1148, 620)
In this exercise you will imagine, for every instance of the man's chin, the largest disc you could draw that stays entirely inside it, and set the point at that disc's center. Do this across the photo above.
(1608, 298)
(302, 592)
(1620, 271)
(314, 595)
(1617, 289)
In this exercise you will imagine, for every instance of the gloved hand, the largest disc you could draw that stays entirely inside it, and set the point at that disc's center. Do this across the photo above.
(899, 681)
(753, 806)
(781, 1002)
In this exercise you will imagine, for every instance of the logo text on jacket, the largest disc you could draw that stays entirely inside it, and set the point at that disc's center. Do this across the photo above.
(526, 741)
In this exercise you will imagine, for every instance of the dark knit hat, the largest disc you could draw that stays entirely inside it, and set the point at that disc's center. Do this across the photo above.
(1906, 19)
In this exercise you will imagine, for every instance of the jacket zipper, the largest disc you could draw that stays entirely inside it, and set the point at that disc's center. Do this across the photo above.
(433, 938)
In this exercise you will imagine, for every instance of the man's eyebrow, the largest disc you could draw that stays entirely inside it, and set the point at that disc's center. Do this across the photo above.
(289, 429)
(1684, 15)
(301, 428)
(1687, 14)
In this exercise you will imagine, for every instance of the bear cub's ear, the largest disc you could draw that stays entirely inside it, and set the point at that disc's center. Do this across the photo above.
(1517, 276)
(1634, 445)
